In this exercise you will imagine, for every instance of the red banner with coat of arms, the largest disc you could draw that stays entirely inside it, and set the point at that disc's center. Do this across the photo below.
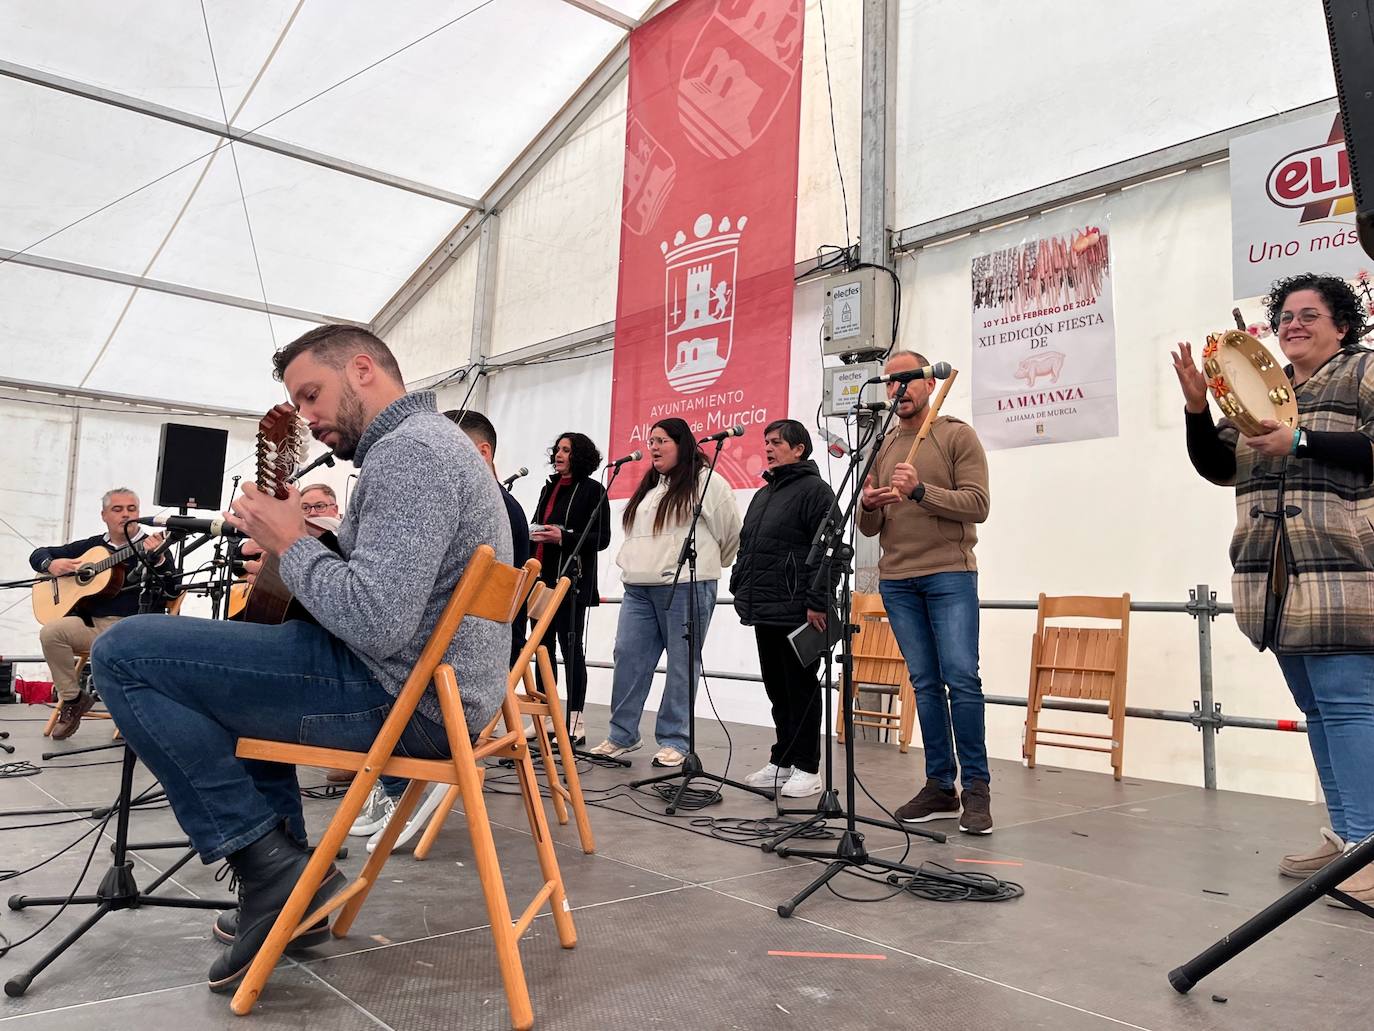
(708, 226)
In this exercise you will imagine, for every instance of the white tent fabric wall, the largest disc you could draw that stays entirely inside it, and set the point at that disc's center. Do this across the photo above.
(1065, 87)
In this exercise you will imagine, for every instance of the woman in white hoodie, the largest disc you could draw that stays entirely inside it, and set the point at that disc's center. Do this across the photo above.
(653, 617)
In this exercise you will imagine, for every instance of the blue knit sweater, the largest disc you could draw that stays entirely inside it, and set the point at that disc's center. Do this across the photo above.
(423, 502)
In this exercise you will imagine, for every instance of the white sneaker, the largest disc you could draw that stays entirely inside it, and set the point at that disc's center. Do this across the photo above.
(376, 811)
(612, 750)
(417, 822)
(668, 757)
(802, 784)
(531, 733)
(577, 729)
(770, 776)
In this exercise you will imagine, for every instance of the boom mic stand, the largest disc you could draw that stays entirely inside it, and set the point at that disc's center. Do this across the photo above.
(850, 853)
(691, 768)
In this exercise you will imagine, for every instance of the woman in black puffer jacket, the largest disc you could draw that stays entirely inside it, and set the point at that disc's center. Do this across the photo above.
(772, 587)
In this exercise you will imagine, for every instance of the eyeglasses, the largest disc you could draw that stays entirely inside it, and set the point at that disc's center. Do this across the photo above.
(317, 506)
(1305, 317)
(659, 441)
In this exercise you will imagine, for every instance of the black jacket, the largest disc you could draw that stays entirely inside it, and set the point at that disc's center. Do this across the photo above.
(574, 510)
(771, 581)
(125, 602)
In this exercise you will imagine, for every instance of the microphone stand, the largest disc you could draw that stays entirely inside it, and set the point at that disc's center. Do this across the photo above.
(850, 853)
(573, 561)
(691, 768)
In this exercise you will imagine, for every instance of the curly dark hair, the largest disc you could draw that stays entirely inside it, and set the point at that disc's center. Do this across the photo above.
(585, 458)
(1346, 307)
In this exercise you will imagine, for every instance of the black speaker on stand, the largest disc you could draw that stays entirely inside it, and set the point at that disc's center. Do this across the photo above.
(190, 466)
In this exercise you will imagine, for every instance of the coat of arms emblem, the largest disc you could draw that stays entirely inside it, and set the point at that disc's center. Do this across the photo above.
(699, 302)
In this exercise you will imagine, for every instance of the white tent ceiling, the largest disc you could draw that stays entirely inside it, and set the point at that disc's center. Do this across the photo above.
(435, 98)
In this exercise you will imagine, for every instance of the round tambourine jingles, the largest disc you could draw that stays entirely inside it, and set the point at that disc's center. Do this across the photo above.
(1248, 385)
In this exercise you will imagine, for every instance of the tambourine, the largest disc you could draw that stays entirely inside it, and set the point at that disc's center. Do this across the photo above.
(1248, 385)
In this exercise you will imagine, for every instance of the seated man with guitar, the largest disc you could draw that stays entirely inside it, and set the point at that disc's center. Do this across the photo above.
(94, 582)
(183, 691)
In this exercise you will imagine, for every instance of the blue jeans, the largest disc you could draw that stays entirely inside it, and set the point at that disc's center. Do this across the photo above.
(648, 626)
(183, 690)
(935, 621)
(1336, 694)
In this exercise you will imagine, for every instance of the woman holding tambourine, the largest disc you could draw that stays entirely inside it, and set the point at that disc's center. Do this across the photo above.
(571, 505)
(1303, 548)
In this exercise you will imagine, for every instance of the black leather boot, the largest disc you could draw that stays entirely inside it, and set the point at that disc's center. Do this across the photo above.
(267, 872)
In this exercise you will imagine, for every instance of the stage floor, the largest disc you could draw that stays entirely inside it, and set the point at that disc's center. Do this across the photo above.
(678, 929)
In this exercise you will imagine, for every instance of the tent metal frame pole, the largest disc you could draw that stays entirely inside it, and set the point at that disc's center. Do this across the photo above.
(159, 406)
(1157, 164)
(73, 460)
(199, 123)
(605, 12)
(195, 293)
(483, 307)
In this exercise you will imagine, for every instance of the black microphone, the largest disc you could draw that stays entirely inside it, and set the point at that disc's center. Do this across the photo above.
(216, 527)
(872, 406)
(733, 431)
(325, 459)
(522, 471)
(940, 370)
(633, 456)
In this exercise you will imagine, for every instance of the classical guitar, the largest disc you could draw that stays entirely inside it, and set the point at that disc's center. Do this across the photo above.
(100, 575)
(282, 444)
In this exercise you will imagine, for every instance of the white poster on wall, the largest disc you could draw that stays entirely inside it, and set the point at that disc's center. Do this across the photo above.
(1292, 206)
(1044, 341)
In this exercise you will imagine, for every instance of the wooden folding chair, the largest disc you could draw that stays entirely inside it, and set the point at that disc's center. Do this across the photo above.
(566, 789)
(1079, 662)
(82, 659)
(487, 590)
(878, 665)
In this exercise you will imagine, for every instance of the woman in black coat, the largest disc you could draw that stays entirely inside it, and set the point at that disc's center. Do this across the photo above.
(772, 586)
(572, 505)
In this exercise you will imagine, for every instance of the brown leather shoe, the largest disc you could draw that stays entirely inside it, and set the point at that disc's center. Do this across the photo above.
(1302, 865)
(69, 716)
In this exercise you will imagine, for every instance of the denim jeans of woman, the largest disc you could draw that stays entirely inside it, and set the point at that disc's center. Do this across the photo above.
(653, 619)
(1336, 695)
(935, 621)
(182, 692)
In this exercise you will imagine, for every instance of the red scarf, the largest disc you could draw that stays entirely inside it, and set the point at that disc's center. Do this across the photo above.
(548, 511)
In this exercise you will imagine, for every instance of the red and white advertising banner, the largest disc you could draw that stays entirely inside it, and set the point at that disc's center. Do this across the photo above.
(1292, 205)
(1044, 341)
(708, 225)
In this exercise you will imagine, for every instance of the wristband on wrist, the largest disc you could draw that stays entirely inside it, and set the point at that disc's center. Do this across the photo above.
(917, 492)
(1297, 439)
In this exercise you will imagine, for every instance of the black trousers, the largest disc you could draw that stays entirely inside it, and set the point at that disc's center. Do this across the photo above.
(571, 644)
(796, 696)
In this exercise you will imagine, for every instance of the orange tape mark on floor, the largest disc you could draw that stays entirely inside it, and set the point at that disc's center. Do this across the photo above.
(826, 955)
(990, 862)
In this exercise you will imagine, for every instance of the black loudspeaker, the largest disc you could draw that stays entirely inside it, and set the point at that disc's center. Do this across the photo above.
(190, 466)
(1350, 27)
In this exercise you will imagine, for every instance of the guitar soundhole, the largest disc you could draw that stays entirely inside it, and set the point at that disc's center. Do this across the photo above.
(85, 575)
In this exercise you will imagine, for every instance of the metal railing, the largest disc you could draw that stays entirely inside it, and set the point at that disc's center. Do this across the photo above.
(1206, 715)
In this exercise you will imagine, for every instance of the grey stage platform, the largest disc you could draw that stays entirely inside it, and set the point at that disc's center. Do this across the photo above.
(1123, 882)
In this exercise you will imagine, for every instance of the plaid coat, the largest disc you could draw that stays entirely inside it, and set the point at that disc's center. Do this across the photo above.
(1303, 548)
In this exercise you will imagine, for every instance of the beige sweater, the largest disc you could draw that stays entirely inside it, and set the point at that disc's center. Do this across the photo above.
(648, 558)
(937, 533)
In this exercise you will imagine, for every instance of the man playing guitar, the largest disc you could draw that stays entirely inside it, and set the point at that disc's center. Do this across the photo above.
(61, 638)
(184, 690)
